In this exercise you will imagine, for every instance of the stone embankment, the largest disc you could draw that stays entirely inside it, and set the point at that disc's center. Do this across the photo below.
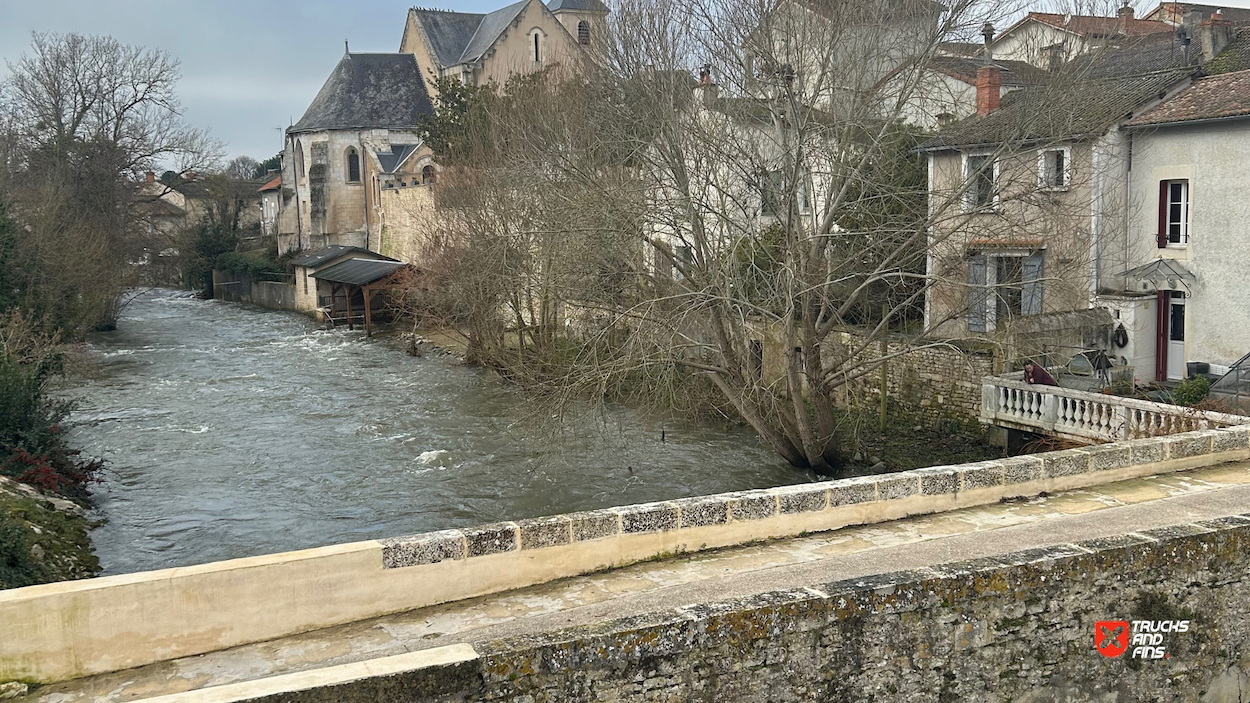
(43, 538)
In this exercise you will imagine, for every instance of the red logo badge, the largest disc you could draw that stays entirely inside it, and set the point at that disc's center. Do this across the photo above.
(1111, 637)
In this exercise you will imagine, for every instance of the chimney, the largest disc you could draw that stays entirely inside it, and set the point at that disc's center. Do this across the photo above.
(189, 175)
(707, 90)
(1214, 34)
(1124, 18)
(151, 176)
(989, 89)
(989, 77)
(273, 172)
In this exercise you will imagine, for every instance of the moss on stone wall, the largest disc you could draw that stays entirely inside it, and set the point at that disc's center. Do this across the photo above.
(40, 543)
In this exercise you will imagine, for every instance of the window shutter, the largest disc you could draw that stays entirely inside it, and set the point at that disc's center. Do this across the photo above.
(1031, 294)
(976, 294)
(1163, 214)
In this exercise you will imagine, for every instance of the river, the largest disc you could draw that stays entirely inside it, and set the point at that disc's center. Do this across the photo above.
(232, 431)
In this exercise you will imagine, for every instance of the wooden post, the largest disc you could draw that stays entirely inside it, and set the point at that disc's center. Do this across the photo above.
(349, 306)
(368, 313)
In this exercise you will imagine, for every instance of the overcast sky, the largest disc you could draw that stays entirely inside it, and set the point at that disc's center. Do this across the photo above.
(249, 68)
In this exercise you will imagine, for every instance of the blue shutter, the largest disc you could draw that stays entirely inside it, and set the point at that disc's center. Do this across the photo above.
(1031, 295)
(976, 294)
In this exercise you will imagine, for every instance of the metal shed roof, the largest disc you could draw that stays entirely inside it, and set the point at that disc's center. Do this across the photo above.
(359, 272)
(321, 256)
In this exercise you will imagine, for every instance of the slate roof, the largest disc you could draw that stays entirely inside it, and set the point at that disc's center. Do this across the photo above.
(1068, 109)
(578, 5)
(462, 37)
(359, 272)
(1235, 56)
(1146, 54)
(369, 91)
(1211, 98)
(1015, 73)
(321, 256)
(390, 160)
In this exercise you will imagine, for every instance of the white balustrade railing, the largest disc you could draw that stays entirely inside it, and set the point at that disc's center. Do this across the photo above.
(1012, 403)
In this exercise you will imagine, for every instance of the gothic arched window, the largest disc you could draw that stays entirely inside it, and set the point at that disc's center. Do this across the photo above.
(299, 159)
(427, 175)
(353, 165)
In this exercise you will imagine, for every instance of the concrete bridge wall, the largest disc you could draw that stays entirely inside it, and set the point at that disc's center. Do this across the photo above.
(60, 631)
(1019, 627)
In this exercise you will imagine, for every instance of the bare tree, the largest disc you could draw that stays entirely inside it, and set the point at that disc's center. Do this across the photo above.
(777, 214)
(89, 116)
(242, 168)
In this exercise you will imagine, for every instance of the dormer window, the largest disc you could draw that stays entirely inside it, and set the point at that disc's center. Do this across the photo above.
(353, 165)
(583, 32)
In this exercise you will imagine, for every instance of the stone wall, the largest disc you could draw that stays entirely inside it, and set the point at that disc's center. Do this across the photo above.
(929, 384)
(240, 288)
(67, 630)
(1014, 628)
(1018, 627)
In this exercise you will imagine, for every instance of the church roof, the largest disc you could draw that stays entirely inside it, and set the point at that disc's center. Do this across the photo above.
(376, 91)
(461, 37)
(582, 5)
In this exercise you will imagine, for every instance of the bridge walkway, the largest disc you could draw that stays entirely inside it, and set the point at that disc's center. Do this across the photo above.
(805, 561)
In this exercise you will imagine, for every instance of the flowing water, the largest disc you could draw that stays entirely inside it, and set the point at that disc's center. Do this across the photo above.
(232, 431)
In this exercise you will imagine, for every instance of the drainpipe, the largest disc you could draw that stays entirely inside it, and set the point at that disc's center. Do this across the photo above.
(368, 187)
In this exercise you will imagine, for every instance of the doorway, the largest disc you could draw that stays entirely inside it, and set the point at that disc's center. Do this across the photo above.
(1176, 336)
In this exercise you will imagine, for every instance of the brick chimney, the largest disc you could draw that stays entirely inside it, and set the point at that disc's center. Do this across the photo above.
(989, 89)
(1124, 18)
(151, 176)
(1214, 35)
(707, 89)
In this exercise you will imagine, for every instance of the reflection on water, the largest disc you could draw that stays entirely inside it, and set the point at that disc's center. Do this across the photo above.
(232, 431)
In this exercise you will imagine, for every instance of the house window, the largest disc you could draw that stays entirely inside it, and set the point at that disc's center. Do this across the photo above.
(1173, 213)
(427, 175)
(772, 186)
(773, 194)
(1053, 169)
(538, 57)
(683, 261)
(1002, 286)
(353, 166)
(980, 178)
(583, 32)
(663, 262)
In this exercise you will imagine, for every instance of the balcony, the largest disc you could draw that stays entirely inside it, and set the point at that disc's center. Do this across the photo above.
(1007, 401)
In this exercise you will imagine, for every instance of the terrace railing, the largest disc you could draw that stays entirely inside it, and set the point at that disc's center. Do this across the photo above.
(1007, 401)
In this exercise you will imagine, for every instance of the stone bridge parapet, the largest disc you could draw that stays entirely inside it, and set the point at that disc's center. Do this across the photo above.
(66, 630)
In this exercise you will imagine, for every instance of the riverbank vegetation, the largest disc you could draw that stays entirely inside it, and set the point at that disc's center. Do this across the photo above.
(82, 119)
